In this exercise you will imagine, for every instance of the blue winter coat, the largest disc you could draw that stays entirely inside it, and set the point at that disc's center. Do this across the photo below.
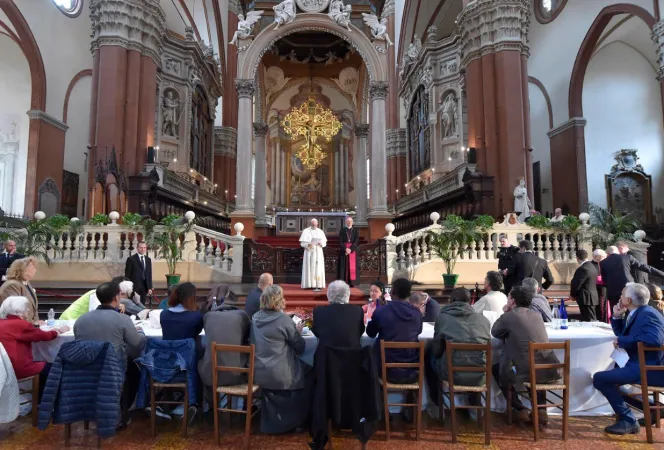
(168, 362)
(85, 383)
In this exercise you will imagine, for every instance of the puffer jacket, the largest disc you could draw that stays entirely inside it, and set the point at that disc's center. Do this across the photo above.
(168, 362)
(85, 383)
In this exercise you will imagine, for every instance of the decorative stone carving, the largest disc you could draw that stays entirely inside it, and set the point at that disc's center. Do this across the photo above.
(285, 12)
(448, 68)
(133, 24)
(378, 27)
(172, 66)
(388, 9)
(426, 76)
(657, 37)
(362, 130)
(35, 114)
(349, 81)
(245, 88)
(378, 90)
(488, 26)
(432, 31)
(397, 144)
(246, 25)
(410, 57)
(49, 197)
(340, 13)
(225, 141)
(313, 6)
(450, 117)
(170, 116)
(261, 129)
(273, 81)
(629, 187)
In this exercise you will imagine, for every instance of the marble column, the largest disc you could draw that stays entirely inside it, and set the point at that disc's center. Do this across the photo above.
(378, 93)
(260, 133)
(361, 135)
(245, 92)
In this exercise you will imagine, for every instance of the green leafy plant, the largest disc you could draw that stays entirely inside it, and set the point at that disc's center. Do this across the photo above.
(168, 242)
(455, 236)
(607, 228)
(540, 222)
(131, 219)
(58, 223)
(98, 219)
(147, 230)
(32, 238)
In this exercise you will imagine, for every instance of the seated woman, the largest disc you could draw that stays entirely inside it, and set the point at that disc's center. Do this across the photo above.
(182, 320)
(283, 377)
(17, 334)
(19, 275)
(80, 306)
(169, 292)
(338, 324)
(130, 303)
(376, 299)
(655, 297)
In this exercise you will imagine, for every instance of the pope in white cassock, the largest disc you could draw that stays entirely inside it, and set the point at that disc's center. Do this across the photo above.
(313, 266)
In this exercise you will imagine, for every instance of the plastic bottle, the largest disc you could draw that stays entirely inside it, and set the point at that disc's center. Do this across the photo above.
(556, 314)
(51, 318)
(563, 315)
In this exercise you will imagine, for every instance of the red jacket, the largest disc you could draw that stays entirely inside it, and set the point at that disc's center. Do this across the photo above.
(17, 336)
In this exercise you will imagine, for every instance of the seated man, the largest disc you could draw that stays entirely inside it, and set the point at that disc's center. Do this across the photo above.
(540, 304)
(338, 324)
(253, 302)
(398, 321)
(105, 325)
(459, 323)
(517, 328)
(494, 300)
(429, 307)
(642, 323)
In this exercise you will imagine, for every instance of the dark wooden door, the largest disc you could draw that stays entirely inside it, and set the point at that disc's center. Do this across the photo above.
(537, 187)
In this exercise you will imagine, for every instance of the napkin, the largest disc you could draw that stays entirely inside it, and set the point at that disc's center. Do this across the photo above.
(620, 356)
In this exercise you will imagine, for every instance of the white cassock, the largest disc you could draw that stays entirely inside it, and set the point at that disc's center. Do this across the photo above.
(313, 265)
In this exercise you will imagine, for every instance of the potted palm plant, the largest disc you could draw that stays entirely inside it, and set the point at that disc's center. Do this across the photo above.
(169, 246)
(608, 228)
(454, 237)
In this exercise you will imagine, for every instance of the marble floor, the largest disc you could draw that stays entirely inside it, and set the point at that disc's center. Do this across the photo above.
(585, 433)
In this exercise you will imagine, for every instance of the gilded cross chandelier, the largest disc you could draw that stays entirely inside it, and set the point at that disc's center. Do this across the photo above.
(311, 121)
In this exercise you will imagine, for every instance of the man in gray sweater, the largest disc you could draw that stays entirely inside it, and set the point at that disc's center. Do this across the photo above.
(106, 324)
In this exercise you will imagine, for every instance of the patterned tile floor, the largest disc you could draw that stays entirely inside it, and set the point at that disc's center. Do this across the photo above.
(585, 433)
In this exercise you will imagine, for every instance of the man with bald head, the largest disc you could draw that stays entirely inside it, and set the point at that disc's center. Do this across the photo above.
(313, 241)
(7, 258)
(253, 302)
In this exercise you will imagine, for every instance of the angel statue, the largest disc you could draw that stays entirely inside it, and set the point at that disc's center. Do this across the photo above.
(340, 13)
(245, 25)
(378, 28)
(284, 12)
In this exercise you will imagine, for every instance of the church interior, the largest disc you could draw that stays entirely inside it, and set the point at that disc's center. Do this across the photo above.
(250, 118)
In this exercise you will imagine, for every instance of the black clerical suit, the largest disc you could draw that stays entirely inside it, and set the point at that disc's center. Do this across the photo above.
(506, 260)
(617, 272)
(352, 236)
(529, 265)
(140, 273)
(584, 289)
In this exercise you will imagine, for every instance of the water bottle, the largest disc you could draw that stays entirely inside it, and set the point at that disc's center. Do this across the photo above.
(51, 318)
(556, 314)
(563, 315)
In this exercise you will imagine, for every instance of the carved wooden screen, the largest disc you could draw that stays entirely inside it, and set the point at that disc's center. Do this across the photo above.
(201, 134)
(419, 154)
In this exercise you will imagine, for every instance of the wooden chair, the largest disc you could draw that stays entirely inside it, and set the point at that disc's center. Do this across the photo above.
(247, 390)
(646, 390)
(34, 391)
(484, 390)
(154, 402)
(418, 387)
(533, 386)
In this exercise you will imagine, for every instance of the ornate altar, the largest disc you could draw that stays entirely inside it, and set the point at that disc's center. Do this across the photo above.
(629, 188)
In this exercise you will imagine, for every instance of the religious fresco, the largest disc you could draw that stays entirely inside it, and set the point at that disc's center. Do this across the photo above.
(308, 187)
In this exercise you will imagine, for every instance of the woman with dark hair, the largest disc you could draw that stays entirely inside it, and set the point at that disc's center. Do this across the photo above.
(182, 319)
(655, 297)
(376, 299)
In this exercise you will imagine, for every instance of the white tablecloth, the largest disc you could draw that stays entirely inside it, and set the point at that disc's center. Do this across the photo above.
(591, 350)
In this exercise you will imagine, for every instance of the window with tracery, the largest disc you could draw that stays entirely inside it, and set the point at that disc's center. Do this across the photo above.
(201, 134)
(419, 133)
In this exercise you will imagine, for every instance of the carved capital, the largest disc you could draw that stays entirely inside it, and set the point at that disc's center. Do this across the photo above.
(261, 129)
(245, 88)
(378, 90)
(658, 38)
(133, 24)
(362, 130)
(490, 26)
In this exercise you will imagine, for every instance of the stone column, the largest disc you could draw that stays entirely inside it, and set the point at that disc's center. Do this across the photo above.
(361, 135)
(225, 146)
(494, 48)
(396, 160)
(260, 133)
(244, 211)
(379, 214)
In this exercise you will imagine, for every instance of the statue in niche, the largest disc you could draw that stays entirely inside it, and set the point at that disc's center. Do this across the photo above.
(450, 118)
(284, 12)
(170, 120)
(340, 13)
(522, 203)
(245, 25)
(378, 27)
(414, 49)
(629, 188)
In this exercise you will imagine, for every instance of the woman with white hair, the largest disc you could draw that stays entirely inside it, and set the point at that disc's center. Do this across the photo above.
(17, 335)
(338, 324)
(603, 309)
(130, 301)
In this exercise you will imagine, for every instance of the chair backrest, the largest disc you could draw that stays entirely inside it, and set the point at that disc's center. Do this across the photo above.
(248, 349)
(643, 368)
(402, 346)
(535, 347)
(451, 347)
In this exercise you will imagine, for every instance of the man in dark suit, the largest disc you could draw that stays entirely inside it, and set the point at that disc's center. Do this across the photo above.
(506, 261)
(633, 321)
(617, 272)
(338, 324)
(7, 258)
(253, 302)
(637, 275)
(584, 287)
(528, 265)
(138, 269)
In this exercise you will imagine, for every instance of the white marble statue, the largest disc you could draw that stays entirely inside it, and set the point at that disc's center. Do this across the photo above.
(450, 117)
(284, 12)
(313, 241)
(245, 25)
(340, 13)
(169, 125)
(522, 203)
(378, 27)
(414, 49)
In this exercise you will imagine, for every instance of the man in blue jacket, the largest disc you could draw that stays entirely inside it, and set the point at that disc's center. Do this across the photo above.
(642, 323)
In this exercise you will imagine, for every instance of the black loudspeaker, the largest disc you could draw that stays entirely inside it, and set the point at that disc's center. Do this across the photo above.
(151, 155)
(472, 155)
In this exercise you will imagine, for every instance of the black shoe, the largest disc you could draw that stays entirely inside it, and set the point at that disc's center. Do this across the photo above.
(653, 421)
(623, 427)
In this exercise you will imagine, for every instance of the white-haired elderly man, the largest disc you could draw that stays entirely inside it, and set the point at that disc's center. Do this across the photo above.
(313, 241)
(633, 321)
(17, 334)
(339, 324)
